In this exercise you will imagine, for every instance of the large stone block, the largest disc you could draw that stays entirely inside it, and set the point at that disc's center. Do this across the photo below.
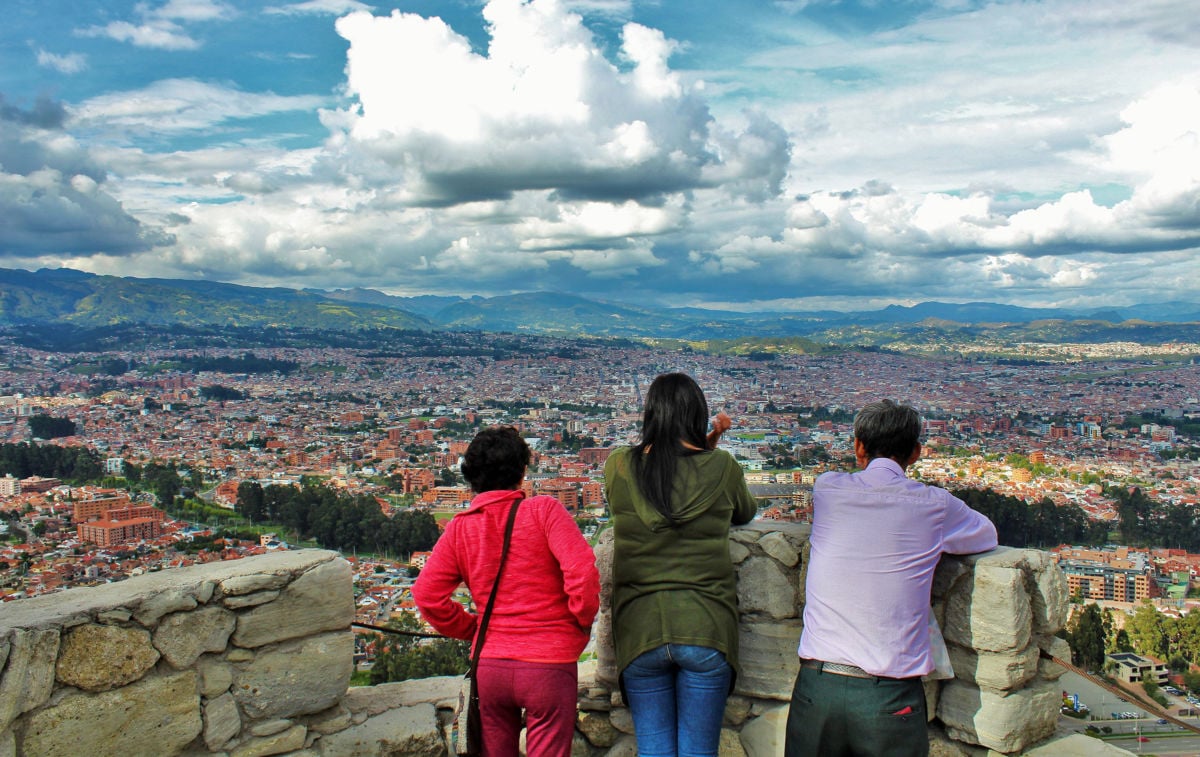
(221, 721)
(98, 658)
(236, 586)
(1049, 594)
(411, 731)
(764, 736)
(164, 603)
(322, 599)
(767, 652)
(764, 587)
(374, 700)
(1055, 647)
(990, 611)
(29, 674)
(1004, 723)
(184, 636)
(284, 742)
(297, 677)
(158, 715)
(998, 671)
(777, 545)
(216, 676)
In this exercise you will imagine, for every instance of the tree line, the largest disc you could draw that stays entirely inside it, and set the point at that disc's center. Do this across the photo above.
(72, 464)
(1094, 633)
(1035, 524)
(336, 520)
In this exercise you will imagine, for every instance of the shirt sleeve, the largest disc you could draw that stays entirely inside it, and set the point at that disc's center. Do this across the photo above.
(966, 531)
(581, 579)
(745, 506)
(435, 586)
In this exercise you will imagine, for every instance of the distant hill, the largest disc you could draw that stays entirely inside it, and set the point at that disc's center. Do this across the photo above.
(66, 297)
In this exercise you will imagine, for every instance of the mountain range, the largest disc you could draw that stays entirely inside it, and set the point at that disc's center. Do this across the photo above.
(67, 297)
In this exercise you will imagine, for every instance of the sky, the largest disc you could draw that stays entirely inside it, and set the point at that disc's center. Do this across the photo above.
(734, 154)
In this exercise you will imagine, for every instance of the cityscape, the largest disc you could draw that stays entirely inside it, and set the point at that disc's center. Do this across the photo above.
(393, 428)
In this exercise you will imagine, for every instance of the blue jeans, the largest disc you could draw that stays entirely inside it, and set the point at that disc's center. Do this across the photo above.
(677, 698)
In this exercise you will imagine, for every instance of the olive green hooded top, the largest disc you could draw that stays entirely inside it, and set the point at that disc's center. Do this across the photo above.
(676, 584)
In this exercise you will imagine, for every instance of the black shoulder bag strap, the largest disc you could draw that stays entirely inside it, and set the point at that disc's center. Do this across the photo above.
(487, 613)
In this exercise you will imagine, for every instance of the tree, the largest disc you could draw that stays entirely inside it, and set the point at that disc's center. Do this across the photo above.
(49, 427)
(1087, 638)
(250, 501)
(1191, 679)
(401, 657)
(1147, 631)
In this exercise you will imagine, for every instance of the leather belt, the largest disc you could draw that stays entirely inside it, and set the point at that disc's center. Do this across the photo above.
(836, 668)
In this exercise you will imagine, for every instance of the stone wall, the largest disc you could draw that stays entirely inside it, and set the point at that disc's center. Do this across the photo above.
(253, 657)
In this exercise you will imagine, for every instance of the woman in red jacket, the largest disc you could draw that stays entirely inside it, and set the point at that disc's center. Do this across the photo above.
(544, 607)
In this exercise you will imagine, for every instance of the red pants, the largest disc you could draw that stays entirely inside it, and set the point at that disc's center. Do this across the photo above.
(546, 691)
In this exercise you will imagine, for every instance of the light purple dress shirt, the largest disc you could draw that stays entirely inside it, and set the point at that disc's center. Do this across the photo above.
(877, 536)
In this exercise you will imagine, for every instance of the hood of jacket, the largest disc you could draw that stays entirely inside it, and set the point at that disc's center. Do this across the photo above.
(699, 481)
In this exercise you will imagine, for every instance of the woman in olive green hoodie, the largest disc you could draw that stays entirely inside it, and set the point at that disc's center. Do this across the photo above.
(673, 497)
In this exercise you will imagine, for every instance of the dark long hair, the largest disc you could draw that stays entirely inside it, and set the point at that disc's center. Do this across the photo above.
(675, 412)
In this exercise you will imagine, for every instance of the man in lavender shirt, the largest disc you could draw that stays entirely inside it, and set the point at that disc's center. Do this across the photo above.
(876, 538)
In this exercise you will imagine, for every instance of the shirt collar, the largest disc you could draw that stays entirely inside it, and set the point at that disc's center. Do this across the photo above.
(495, 495)
(886, 463)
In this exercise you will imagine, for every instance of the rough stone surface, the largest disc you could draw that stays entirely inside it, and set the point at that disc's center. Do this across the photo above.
(98, 658)
(1003, 723)
(777, 545)
(270, 727)
(764, 587)
(154, 716)
(204, 591)
(730, 744)
(320, 600)
(990, 670)
(1050, 597)
(738, 552)
(606, 657)
(243, 601)
(114, 616)
(597, 729)
(626, 746)
(374, 700)
(621, 720)
(8, 744)
(135, 593)
(183, 636)
(296, 678)
(164, 603)
(240, 655)
(29, 674)
(1048, 669)
(406, 731)
(280, 743)
(767, 652)
(737, 709)
(334, 719)
(237, 586)
(941, 745)
(216, 676)
(764, 736)
(1077, 745)
(1000, 623)
(221, 721)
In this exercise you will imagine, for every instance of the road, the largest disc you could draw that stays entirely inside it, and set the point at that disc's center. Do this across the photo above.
(1103, 703)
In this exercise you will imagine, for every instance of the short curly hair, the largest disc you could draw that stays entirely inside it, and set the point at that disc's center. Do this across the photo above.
(496, 459)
